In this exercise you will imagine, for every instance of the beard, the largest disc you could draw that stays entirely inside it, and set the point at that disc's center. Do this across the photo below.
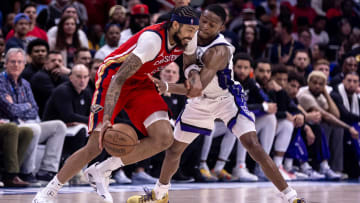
(178, 41)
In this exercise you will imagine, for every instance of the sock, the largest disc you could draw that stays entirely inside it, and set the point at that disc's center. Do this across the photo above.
(288, 163)
(203, 165)
(219, 165)
(324, 165)
(278, 160)
(161, 190)
(55, 184)
(110, 164)
(290, 194)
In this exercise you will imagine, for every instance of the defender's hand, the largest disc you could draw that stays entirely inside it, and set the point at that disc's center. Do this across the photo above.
(160, 85)
(194, 85)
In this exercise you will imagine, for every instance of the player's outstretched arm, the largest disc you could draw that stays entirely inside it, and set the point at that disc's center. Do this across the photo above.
(214, 59)
(173, 88)
(131, 64)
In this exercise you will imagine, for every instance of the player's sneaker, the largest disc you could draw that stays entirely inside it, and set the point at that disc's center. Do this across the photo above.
(100, 182)
(312, 174)
(298, 200)
(286, 175)
(223, 175)
(207, 175)
(244, 175)
(148, 197)
(48, 194)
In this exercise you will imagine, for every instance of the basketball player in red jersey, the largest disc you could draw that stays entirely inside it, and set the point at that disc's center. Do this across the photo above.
(122, 83)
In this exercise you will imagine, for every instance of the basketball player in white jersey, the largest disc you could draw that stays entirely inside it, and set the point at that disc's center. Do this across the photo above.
(222, 98)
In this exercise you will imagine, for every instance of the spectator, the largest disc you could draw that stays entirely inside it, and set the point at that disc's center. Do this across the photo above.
(18, 105)
(94, 37)
(250, 42)
(301, 63)
(284, 50)
(305, 39)
(112, 37)
(117, 15)
(318, 51)
(97, 11)
(177, 3)
(317, 98)
(2, 51)
(21, 28)
(303, 9)
(75, 110)
(139, 18)
(318, 33)
(34, 31)
(38, 50)
(15, 141)
(51, 16)
(298, 149)
(46, 80)
(94, 67)
(67, 40)
(83, 56)
(349, 65)
(9, 23)
(68, 11)
(258, 100)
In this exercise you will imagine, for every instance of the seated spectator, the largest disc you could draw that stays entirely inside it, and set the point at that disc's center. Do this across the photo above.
(284, 51)
(14, 141)
(318, 33)
(2, 51)
(298, 148)
(17, 104)
(94, 67)
(68, 11)
(250, 42)
(317, 98)
(258, 100)
(305, 38)
(21, 28)
(74, 110)
(301, 63)
(46, 80)
(67, 40)
(112, 37)
(349, 65)
(288, 117)
(139, 18)
(303, 9)
(117, 15)
(95, 35)
(82, 56)
(38, 50)
(34, 31)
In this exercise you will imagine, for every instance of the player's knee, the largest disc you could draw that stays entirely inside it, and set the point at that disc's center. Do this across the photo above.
(250, 142)
(165, 140)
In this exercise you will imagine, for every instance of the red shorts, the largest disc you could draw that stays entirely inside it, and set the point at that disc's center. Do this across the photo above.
(138, 98)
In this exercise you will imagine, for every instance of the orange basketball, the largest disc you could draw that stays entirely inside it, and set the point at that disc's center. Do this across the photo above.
(120, 140)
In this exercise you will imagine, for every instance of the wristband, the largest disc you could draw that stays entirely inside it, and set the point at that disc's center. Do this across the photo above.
(265, 106)
(190, 68)
(167, 86)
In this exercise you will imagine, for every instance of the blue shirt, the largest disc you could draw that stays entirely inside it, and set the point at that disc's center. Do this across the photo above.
(23, 105)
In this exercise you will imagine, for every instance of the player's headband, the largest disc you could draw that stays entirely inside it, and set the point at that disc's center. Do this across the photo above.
(185, 20)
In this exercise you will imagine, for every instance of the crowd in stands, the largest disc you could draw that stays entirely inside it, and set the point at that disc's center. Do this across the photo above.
(297, 61)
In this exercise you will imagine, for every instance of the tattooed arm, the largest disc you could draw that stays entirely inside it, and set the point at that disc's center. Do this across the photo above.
(128, 68)
(131, 64)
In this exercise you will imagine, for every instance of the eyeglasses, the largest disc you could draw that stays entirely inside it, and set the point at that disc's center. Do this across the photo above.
(14, 62)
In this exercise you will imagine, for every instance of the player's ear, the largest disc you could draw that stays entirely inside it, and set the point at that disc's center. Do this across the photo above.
(175, 25)
(223, 28)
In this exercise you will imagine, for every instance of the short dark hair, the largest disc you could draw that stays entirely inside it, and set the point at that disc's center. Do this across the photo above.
(56, 52)
(319, 18)
(27, 5)
(37, 42)
(278, 69)
(183, 11)
(261, 60)
(243, 56)
(302, 51)
(80, 50)
(218, 10)
(351, 73)
(287, 25)
(292, 75)
(109, 25)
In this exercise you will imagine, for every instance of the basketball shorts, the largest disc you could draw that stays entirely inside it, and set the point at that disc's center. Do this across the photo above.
(199, 115)
(139, 99)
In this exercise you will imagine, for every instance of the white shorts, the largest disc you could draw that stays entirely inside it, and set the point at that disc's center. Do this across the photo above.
(199, 115)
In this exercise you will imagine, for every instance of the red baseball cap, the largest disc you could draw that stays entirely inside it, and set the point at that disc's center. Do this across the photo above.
(248, 8)
(140, 9)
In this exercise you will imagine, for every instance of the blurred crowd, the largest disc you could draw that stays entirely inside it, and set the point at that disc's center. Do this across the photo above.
(297, 60)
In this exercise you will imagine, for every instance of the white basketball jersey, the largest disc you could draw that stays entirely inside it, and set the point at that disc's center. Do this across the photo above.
(214, 89)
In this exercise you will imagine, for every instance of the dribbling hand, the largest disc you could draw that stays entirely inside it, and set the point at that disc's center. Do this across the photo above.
(105, 125)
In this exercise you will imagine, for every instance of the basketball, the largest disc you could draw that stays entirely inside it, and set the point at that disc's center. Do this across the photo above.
(120, 140)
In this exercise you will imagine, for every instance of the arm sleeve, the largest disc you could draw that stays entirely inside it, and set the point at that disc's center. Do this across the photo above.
(148, 46)
(191, 47)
